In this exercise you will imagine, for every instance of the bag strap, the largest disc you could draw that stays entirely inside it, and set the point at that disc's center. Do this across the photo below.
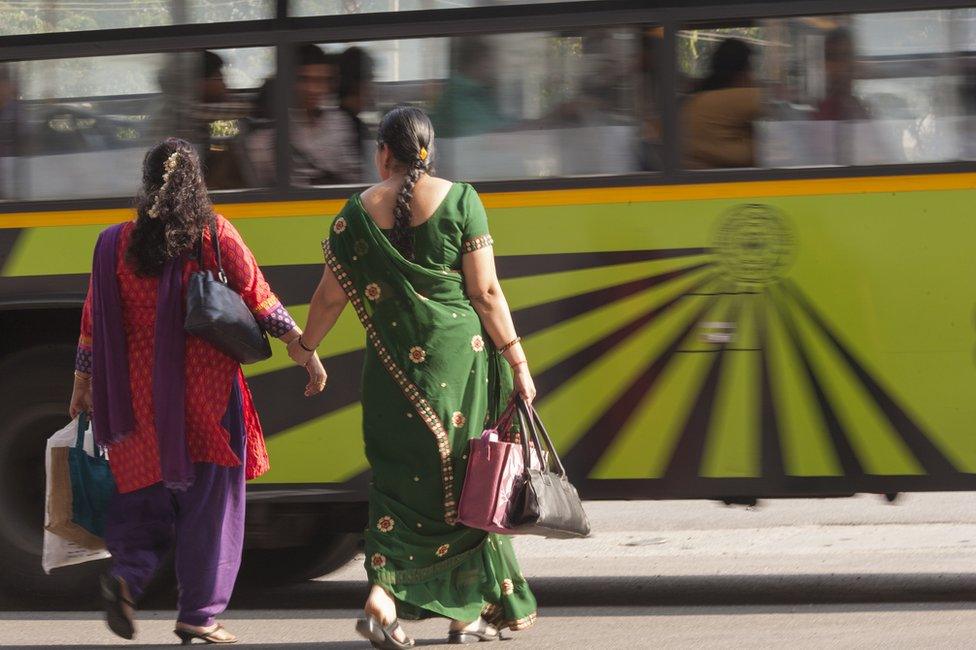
(215, 242)
(532, 425)
(82, 428)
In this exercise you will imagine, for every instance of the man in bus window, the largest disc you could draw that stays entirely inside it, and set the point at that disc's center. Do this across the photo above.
(468, 105)
(356, 91)
(839, 102)
(325, 148)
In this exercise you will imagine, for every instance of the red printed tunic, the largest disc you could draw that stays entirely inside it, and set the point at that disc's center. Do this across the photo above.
(209, 372)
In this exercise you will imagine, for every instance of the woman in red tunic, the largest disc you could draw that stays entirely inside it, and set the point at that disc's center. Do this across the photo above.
(175, 413)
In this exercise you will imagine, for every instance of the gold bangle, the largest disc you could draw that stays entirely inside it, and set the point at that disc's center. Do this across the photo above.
(516, 365)
(511, 344)
(81, 377)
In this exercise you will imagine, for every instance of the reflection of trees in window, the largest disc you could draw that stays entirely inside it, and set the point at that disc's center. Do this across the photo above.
(34, 17)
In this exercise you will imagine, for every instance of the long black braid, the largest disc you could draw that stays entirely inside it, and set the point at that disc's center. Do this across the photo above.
(408, 133)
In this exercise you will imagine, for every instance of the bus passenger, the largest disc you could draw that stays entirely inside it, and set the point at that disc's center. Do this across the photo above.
(468, 104)
(839, 102)
(716, 121)
(325, 150)
(174, 412)
(356, 89)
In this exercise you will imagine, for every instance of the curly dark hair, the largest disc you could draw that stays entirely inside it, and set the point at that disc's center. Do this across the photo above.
(407, 130)
(173, 207)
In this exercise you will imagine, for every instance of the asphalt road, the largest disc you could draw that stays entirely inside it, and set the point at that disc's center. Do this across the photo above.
(842, 573)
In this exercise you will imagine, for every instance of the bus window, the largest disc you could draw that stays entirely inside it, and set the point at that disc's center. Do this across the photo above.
(333, 7)
(865, 89)
(504, 107)
(77, 128)
(37, 17)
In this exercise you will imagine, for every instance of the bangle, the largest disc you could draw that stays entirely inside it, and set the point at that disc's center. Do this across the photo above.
(81, 377)
(516, 365)
(301, 342)
(508, 346)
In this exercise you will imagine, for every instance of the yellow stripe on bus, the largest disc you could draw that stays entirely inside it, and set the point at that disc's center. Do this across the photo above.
(551, 198)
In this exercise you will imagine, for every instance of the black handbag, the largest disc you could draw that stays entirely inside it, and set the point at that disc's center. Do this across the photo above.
(547, 503)
(217, 314)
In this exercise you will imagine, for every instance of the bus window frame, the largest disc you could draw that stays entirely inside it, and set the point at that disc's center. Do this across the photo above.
(285, 32)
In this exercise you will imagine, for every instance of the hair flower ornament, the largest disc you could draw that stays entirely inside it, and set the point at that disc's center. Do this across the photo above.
(423, 153)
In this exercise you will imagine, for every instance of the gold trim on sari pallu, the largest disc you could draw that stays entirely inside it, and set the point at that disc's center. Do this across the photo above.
(420, 403)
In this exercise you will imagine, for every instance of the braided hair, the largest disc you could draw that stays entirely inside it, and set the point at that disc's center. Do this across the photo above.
(172, 205)
(408, 133)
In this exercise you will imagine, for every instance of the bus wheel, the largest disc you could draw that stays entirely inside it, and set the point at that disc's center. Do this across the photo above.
(35, 387)
(299, 563)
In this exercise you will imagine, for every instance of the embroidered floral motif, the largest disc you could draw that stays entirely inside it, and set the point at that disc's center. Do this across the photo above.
(458, 419)
(373, 291)
(443, 549)
(361, 247)
(477, 343)
(339, 226)
(378, 561)
(508, 587)
(420, 403)
(385, 524)
(417, 354)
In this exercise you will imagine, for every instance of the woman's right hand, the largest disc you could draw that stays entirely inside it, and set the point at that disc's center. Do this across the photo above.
(523, 383)
(316, 376)
(81, 398)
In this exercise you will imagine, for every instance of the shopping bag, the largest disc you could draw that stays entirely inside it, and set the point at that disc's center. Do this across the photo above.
(65, 542)
(494, 464)
(92, 484)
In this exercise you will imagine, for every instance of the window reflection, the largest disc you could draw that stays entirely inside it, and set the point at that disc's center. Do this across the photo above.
(73, 128)
(834, 90)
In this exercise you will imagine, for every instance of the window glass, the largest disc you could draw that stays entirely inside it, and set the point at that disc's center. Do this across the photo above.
(43, 16)
(503, 106)
(829, 90)
(334, 7)
(73, 128)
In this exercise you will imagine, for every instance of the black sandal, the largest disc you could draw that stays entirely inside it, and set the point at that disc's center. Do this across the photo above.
(478, 635)
(187, 636)
(114, 603)
(382, 637)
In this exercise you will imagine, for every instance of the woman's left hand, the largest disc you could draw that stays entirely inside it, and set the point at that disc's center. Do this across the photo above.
(81, 398)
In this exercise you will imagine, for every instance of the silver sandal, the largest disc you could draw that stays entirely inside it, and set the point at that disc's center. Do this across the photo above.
(381, 637)
(477, 635)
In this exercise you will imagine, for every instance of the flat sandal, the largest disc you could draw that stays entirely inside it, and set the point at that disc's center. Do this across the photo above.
(477, 635)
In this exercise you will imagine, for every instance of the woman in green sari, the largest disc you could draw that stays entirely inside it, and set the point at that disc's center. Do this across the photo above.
(413, 255)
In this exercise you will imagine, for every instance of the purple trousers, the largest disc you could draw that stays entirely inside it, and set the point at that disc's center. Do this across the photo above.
(205, 523)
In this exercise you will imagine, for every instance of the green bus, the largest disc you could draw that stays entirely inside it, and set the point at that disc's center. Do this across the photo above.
(763, 293)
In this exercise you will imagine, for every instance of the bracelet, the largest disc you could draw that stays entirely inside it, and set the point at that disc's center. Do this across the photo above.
(511, 344)
(81, 377)
(301, 342)
(516, 365)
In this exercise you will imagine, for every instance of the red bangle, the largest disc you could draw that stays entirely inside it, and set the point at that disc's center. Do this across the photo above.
(508, 346)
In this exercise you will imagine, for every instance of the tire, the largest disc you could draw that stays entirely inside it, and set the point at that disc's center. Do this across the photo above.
(35, 389)
(278, 566)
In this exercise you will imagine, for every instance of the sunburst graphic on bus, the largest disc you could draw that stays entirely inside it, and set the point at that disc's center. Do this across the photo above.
(700, 370)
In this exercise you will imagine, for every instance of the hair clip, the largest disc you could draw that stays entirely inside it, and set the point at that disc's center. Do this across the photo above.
(423, 153)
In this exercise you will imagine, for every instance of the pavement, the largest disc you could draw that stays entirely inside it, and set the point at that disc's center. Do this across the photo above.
(833, 573)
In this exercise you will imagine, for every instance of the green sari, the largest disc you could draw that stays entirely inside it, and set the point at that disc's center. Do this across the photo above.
(431, 380)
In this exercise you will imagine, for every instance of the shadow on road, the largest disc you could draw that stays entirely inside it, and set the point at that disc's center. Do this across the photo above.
(594, 591)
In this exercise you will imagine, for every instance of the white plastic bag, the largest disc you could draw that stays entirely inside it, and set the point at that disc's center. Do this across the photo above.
(59, 552)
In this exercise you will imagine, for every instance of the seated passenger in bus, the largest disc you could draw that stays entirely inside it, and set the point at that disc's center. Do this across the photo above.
(717, 120)
(8, 130)
(839, 102)
(356, 90)
(468, 104)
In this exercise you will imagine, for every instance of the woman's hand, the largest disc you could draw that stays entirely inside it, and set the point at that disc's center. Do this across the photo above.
(81, 398)
(523, 382)
(298, 354)
(316, 376)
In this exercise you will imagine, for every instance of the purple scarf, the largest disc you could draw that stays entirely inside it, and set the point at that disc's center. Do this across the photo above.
(111, 395)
